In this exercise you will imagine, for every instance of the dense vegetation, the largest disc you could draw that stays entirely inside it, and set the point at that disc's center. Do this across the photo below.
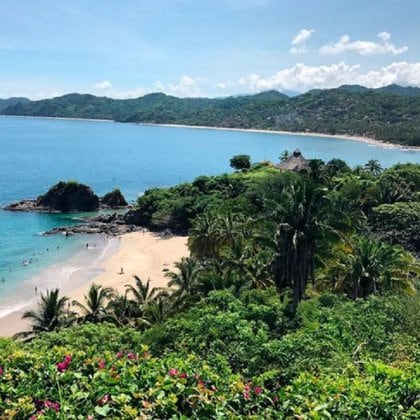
(391, 113)
(296, 302)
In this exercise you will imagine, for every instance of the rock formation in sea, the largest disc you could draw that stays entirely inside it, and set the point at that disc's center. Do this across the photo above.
(70, 197)
(114, 199)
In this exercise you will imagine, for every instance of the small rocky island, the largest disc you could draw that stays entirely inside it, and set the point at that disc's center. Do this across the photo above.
(70, 197)
(73, 197)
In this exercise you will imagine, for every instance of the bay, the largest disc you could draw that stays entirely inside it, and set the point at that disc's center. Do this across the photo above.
(35, 153)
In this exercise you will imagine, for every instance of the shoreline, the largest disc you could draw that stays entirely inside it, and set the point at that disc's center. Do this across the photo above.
(368, 140)
(144, 254)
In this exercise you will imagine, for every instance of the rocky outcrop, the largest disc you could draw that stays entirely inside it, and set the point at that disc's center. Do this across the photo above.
(69, 197)
(109, 224)
(134, 217)
(29, 205)
(114, 200)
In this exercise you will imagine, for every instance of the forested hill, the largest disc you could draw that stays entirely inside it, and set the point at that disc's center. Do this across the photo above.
(5, 103)
(390, 113)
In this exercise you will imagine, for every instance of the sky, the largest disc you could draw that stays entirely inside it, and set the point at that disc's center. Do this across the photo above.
(214, 48)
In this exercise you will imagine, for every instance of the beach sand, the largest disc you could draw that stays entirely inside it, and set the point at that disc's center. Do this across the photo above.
(369, 140)
(142, 254)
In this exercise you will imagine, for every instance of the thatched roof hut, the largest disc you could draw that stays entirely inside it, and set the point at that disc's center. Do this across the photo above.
(296, 162)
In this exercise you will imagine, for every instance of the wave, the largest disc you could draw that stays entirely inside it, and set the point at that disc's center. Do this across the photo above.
(7, 310)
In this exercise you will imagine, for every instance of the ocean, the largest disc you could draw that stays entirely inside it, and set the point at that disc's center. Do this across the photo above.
(36, 153)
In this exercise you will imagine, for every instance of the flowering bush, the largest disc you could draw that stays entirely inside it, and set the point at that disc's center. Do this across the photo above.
(318, 370)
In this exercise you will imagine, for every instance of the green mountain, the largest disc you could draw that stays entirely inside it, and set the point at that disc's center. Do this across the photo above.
(5, 103)
(391, 113)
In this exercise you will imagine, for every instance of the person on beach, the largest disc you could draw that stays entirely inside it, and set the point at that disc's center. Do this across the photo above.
(122, 270)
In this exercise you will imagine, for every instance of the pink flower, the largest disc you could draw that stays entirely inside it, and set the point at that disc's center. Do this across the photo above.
(257, 390)
(132, 356)
(120, 354)
(64, 365)
(101, 364)
(173, 372)
(182, 375)
(104, 399)
(53, 405)
(246, 392)
(1, 371)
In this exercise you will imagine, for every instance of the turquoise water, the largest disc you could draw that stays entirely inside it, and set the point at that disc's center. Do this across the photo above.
(35, 153)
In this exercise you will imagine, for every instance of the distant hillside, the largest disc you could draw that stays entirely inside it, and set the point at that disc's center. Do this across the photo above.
(5, 103)
(391, 113)
(399, 90)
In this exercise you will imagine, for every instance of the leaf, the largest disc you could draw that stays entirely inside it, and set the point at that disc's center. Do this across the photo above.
(102, 411)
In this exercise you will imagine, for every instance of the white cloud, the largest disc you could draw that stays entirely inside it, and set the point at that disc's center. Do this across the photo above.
(224, 85)
(302, 36)
(186, 86)
(103, 85)
(402, 73)
(383, 46)
(299, 41)
(301, 77)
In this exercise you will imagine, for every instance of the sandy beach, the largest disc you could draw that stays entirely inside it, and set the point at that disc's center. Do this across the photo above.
(142, 254)
(368, 140)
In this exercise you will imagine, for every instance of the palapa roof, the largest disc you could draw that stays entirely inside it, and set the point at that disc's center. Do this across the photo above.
(296, 162)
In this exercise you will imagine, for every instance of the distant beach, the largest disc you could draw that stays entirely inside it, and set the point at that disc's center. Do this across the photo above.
(368, 140)
(143, 254)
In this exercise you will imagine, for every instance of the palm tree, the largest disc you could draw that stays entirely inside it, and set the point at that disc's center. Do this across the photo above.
(185, 280)
(249, 264)
(94, 310)
(50, 315)
(143, 293)
(365, 266)
(374, 166)
(122, 308)
(143, 298)
(158, 311)
(204, 241)
(306, 216)
(285, 155)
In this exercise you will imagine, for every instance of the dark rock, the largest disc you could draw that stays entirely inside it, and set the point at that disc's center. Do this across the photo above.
(114, 199)
(69, 197)
(28, 205)
(105, 224)
(134, 217)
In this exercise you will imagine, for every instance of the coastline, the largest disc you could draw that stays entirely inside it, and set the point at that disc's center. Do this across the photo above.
(368, 140)
(139, 253)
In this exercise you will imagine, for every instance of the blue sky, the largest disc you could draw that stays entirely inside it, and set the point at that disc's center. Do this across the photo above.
(127, 48)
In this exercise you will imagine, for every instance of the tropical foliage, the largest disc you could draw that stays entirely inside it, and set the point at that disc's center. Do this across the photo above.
(295, 302)
(226, 357)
